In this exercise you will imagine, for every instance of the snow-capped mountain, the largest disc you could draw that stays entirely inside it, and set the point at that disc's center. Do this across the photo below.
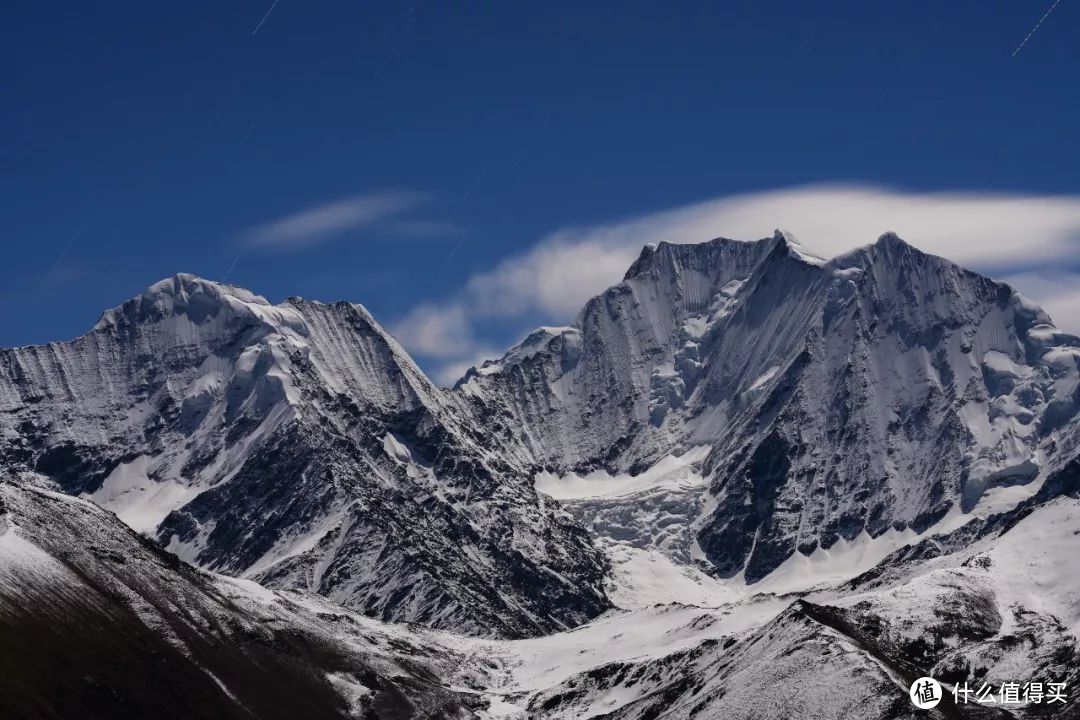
(300, 446)
(874, 393)
(745, 482)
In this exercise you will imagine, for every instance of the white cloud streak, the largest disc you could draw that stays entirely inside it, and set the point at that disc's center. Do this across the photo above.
(445, 334)
(999, 234)
(437, 331)
(322, 222)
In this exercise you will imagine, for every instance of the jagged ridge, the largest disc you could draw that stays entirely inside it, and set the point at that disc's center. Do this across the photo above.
(876, 391)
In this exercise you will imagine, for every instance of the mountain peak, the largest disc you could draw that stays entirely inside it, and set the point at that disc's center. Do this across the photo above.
(198, 299)
(185, 285)
(708, 254)
(643, 260)
(786, 240)
(887, 246)
(891, 241)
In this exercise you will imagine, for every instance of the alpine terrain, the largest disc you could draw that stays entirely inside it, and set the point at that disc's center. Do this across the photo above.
(745, 482)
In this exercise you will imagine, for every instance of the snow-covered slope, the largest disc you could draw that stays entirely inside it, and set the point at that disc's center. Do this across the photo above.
(869, 394)
(297, 444)
(997, 602)
(100, 623)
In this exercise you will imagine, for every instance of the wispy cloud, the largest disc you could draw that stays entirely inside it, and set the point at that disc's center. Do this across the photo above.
(1001, 234)
(446, 374)
(446, 335)
(323, 222)
(437, 331)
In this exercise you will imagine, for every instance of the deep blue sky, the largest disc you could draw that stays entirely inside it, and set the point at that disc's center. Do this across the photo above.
(163, 131)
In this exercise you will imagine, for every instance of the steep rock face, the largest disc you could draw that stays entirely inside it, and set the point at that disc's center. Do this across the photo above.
(299, 445)
(600, 393)
(878, 390)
